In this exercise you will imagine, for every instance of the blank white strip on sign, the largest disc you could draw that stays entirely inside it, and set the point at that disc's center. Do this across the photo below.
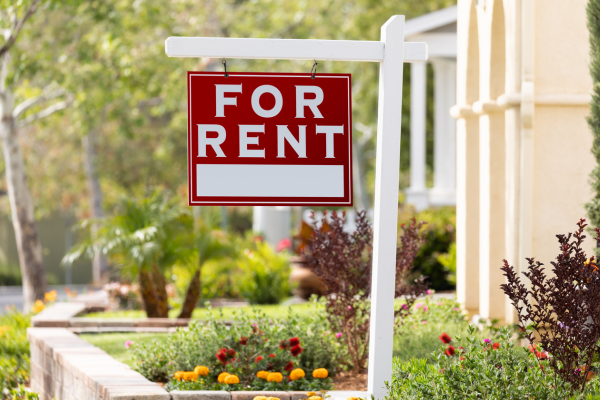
(246, 180)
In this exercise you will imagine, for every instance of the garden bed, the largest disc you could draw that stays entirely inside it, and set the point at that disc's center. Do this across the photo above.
(66, 367)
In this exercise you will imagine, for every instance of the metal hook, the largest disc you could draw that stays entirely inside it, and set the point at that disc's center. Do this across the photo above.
(225, 66)
(313, 71)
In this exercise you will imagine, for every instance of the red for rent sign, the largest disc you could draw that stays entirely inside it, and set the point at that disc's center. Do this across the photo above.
(269, 139)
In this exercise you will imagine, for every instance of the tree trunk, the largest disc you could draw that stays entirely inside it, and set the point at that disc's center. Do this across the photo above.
(99, 263)
(21, 205)
(192, 296)
(160, 286)
(148, 294)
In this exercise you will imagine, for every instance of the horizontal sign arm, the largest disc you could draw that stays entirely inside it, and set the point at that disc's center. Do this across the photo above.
(288, 49)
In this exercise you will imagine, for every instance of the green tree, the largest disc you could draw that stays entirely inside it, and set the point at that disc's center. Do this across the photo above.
(14, 17)
(144, 237)
(210, 245)
(593, 15)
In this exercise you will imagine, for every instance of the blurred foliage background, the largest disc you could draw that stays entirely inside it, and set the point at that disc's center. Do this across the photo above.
(123, 91)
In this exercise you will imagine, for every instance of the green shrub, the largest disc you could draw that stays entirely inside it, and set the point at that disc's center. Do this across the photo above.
(418, 337)
(10, 275)
(14, 351)
(265, 274)
(199, 345)
(479, 371)
(440, 233)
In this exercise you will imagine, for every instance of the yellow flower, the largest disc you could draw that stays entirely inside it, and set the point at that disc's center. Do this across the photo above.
(310, 394)
(190, 376)
(232, 379)
(262, 375)
(315, 398)
(260, 398)
(222, 377)
(201, 370)
(50, 296)
(274, 377)
(320, 373)
(179, 375)
(273, 398)
(38, 306)
(353, 398)
(3, 330)
(297, 374)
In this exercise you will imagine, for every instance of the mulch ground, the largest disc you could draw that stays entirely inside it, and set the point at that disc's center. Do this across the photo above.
(347, 381)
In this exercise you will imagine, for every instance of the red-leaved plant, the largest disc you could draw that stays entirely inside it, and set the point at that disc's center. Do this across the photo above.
(343, 261)
(563, 310)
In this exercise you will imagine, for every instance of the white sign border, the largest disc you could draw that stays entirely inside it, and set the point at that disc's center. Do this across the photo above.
(250, 202)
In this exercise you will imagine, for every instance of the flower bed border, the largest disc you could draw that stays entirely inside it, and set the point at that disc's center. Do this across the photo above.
(66, 367)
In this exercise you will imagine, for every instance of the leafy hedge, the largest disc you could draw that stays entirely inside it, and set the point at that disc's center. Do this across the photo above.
(14, 352)
(481, 369)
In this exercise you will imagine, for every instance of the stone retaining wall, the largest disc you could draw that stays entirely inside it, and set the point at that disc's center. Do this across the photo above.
(65, 367)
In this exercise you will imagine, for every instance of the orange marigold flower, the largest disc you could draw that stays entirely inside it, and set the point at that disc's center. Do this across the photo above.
(260, 398)
(202, 370)
(273, 398)
(320, 373)
(232, 379)
(50, 296)
(315, 398)
(222, 376)
(296, 374)
(262, 374)
(190, 376)
(38, 306)
(179, 375)
(309, 394)
(274, 377)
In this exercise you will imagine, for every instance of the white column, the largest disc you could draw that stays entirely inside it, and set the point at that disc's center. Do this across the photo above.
(385, 227)
(275, 223)
(416, 194)
(444, 152)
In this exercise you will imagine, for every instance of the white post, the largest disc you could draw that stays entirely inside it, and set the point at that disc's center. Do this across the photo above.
(274, 222)
(416, 194)
(385, 229)
(444, 152)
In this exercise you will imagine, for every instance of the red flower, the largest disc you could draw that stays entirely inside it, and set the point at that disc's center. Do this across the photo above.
(222, 355)
(259, 358)
(496, 346)
(231, 352)
(243, 340)
(449, 351)
(294, 341)
(289, 366)
(444, 337)
(283, 345)
(272, 355)
(462, 358)
(296, 350)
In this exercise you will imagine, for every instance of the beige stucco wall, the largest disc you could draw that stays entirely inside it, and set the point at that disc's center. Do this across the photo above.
(534, 88)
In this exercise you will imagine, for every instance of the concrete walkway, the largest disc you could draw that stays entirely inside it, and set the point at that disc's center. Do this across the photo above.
(13, 295)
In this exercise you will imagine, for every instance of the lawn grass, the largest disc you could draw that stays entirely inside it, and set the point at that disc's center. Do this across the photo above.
(420, 335)
(272, 311)
(114, 343)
